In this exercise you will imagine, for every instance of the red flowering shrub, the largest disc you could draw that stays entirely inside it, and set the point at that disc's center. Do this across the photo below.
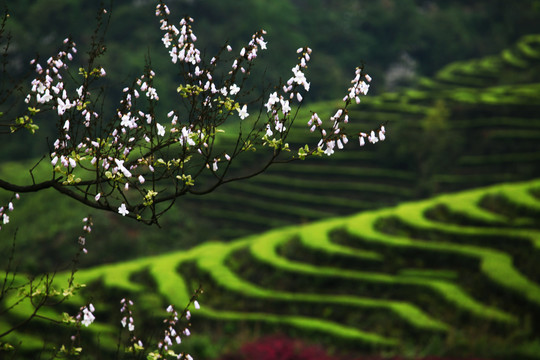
(280, 347)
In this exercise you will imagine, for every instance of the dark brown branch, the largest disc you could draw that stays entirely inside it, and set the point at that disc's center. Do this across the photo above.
(28, 188)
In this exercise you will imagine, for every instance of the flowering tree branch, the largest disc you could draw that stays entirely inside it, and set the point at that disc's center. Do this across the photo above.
(137, 164)
(40, 292)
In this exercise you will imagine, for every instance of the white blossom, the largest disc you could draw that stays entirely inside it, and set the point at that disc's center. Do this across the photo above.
(122, 210)
(243, 112)
(120, 165)
(234, 89)
(160, 129)
(88, 317)
(272, 100)
(362, 141)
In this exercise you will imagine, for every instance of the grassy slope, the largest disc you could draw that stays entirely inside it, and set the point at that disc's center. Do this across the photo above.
(494, 148)
(443, 307)
(487, 136)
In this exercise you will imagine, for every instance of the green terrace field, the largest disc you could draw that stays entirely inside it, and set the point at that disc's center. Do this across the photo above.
(454, 275)
(424, 244)
(475, 123)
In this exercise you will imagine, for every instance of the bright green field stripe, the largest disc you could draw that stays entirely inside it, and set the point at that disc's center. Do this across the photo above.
(430, 273)
(114, 275)
(173, 287)
(516, 193)
(526, 49)
(496, 265)
(117, 275)
(521, 193)
(363, 227)
(315, 236)
(215, 265)
(466, 204)
(170, 284)
(25, 308)
(30, 342)
(510, 57)
(264, 250)
(413, 213)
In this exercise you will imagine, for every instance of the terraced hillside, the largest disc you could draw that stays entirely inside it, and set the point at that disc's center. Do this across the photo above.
(456, 274)
(475, 123)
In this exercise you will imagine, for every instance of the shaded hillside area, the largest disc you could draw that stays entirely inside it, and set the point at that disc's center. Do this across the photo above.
(398, 40)
(475, 123)
(387, 34)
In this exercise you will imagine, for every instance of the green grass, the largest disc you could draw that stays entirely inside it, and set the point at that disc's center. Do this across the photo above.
(231, 282)
(511, 58)
(493, 112)
(438, 301)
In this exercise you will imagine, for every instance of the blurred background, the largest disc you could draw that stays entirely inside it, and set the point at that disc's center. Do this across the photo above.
(455, 82)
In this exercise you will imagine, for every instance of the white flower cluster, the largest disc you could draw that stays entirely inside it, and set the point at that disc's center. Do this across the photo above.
(85, 315)
(359, 86)
(279, 105)
(172, 333)
(4, 217)
(134, 150)
(372, 137)
(182, 41)
(336, 136)
(48, 88)
(49, 85)
(87, 228)
(127, 320)
(50, 81)
(250, 52)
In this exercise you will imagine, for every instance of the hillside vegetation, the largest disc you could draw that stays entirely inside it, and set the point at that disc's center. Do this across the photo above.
(376, 251)
(397, 40)
(475, 123)
(454, 275)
